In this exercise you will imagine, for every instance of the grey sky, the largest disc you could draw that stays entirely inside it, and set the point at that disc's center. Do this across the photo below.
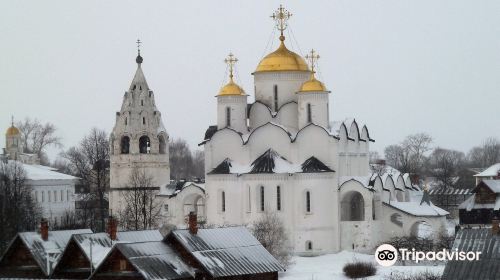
(399, 66)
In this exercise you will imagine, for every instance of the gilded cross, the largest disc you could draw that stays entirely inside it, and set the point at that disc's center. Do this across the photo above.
(313, 57)
(281, 16)
(231, 61)
(138, 46)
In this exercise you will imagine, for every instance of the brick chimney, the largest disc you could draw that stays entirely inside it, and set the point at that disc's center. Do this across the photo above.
(495, 226)
(193, 223)
(112, 228)
(44, 229)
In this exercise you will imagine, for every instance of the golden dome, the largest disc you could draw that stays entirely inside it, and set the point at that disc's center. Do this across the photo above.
(312, 85)
(12, 131)
(231, 88)
(282, 59)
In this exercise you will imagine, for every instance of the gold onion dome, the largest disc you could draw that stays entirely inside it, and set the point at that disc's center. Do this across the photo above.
(313, 84)
(231, 88)
(12, 131)
(282, 59)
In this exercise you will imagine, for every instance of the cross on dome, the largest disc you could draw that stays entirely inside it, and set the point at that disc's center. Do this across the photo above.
(139, 58)
(281, 16)
(231, 61)
(312, 57)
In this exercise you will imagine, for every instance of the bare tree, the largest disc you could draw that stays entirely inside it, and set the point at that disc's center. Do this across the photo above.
(410, 155)
(485, 155)
(142, 210)
(38, 136)
(185, 164)
(18, 210)
(90, 162)
(271, 233)
(446, 165)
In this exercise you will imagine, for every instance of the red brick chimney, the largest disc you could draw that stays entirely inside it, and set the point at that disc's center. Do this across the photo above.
(495, 226)
(112, 228)
(44, 229)
(193, 223)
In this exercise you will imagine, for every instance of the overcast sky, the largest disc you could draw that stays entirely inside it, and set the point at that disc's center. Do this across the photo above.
(399, 66)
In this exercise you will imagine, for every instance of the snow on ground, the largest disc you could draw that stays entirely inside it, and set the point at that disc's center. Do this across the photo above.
(330, 267)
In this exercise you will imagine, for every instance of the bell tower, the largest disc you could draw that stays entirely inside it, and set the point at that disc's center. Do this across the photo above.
(139, 139)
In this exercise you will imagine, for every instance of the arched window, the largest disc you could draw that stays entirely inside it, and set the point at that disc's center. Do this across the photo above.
(352, 207)
(309, 245)
(308, 201)
(309, 113)
(228, 116)
(275, 98)
(125, 145)
(278, 198)
(162, 144)
(262, 198)
(144, 145)
(126, 120)
(223, 201)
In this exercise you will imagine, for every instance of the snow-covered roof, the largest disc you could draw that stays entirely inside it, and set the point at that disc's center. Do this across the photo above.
(470, 203)
(229, 251)
(493, 185)
(55, 245)
(490, 171)
(39, 172)
(173, 189)
(271, 162)
(155, 260)
(414, 208)
(102, 244)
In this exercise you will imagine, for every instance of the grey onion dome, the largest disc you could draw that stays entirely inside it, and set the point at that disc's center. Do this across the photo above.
(138, 59)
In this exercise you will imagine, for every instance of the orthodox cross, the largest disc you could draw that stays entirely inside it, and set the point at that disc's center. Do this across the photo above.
(281, 16)
(231, 61)
(313, 57)
(139, 46)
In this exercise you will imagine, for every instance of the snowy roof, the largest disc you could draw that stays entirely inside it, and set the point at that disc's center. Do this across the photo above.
(101, 243)
(470, 203)
(40, 172)
(271, 162)
(493, 185)
(173, 189)
(449, 191)
(490, 171)
(155, 260)
(477, 240)
(414, 208)
(55, 245)
(228, 251)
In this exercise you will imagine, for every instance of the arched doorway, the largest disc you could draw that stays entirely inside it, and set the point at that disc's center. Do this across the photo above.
(352, 207)
(422, 229)
(194, 203)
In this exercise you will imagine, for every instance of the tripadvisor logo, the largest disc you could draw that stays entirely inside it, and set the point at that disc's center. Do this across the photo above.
(387, 255)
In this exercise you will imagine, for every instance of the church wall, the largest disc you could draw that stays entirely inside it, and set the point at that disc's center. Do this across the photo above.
(270, 137)
(259, 115)
(238, 106)
(61, 200)
(180, 205)
(315, 141)
(287, 116)
(228, 141)
(288, 83)
(319, 108)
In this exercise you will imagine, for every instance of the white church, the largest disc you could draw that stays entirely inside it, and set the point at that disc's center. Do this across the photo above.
(281, 153)
(284, 154)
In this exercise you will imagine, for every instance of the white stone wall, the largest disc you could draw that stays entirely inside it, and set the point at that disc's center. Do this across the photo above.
(238, 107)
(55, 197)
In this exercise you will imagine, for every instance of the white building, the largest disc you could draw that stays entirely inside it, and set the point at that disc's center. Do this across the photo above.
(53, 191)
(282, 153)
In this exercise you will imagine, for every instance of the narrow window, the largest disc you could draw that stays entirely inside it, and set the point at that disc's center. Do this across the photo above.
(166, 207)
(223, 204)
(48, 196)
(43, 196)
(61, 195)
(249, 200)
(278, 198)
(228, 116)
(309, 113)
(126, 120)
(123, 265)
(275, 98)
(142, 102)
(55, 196)
(308, 202)
(262, 198)
(67, 195)
(143, 120)
(36, 196)
(309, 246)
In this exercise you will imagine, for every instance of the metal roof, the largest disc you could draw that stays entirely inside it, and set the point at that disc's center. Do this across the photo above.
(155, 260)
(228, 251)
(449, 191)
(486, 267)
(55, 245)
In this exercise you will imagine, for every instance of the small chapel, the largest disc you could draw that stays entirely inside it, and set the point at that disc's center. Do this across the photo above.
(283, 153)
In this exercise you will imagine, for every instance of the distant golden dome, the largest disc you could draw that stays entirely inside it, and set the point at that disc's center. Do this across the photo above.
(282, 59)
(12, 131)
(231, 88)
(312, 85)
